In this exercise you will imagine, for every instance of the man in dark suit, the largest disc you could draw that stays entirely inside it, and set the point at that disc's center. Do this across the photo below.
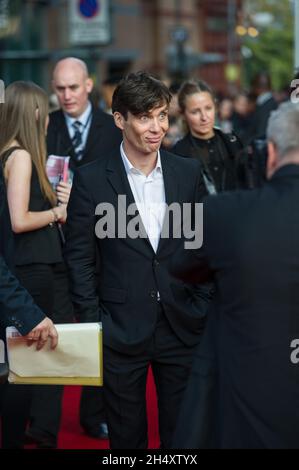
(17, 309)
(85, 133)
(145, 322)
(244, 387)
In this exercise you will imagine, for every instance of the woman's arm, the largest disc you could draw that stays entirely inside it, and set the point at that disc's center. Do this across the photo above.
(18, 172)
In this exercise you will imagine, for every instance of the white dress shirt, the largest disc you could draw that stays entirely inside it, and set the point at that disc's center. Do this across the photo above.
(149, 195)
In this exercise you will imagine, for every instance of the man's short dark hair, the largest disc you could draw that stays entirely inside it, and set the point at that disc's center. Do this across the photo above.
(139, 93)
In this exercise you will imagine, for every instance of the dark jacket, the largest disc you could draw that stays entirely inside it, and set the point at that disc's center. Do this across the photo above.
(251, 251)
(103, 137)
(227, 148)
(261, 116)
(130, 272)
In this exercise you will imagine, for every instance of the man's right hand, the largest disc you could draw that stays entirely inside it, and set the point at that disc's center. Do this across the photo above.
(40, 334)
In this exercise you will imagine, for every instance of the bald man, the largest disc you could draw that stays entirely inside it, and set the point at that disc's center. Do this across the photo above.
(78, 129)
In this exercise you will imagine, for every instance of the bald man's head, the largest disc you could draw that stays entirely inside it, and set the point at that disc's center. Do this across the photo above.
(72, 85)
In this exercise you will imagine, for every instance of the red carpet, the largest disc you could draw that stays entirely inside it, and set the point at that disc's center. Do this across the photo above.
(71, 435)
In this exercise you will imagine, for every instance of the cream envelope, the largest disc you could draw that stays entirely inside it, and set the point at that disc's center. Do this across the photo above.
(77, 360)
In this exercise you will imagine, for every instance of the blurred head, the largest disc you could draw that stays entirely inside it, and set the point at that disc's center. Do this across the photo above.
(261, 83)
(174, 109)
(225, 109)
(72, 85)
(107, 90)
(283, 137)
(241, 104)
(140, 107)
(173, 134)
(24, 118)
(198, 108)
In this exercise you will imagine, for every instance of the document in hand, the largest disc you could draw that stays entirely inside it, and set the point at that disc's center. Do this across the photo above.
(57, 169)
(77, 360)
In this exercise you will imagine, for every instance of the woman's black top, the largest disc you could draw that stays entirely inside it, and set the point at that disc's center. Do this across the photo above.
(218, 157)
(42, 245)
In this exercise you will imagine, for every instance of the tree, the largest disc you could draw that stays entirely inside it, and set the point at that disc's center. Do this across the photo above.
(273, 49)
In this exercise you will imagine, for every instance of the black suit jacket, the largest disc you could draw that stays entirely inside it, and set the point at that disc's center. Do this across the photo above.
(16, 305)
(251, 251)
(130, 272)
(260, 118)
(103, 136)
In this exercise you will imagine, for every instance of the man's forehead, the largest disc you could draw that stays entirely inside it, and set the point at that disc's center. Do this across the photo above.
(69, 77)
(156, 109)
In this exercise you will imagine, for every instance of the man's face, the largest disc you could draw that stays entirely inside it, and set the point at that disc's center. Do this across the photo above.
(72, 88)
(144, 133)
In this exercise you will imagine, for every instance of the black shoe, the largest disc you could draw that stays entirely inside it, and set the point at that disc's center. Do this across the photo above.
(101, 432)
(42, 442)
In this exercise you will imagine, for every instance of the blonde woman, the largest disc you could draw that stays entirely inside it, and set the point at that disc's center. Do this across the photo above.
(34, 214)
(216, 152)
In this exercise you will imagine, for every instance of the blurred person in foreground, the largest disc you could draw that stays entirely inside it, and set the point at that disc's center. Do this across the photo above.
(243, 391)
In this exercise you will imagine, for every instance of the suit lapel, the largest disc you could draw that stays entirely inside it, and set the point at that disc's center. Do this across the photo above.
(64, 143)
(94, 133)
(117, 177)
(171, 188)
(170, 179)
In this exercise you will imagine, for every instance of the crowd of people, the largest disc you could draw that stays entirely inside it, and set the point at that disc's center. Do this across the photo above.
(212, 323)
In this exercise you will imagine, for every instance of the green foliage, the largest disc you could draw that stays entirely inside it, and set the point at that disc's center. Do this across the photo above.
(273, 49)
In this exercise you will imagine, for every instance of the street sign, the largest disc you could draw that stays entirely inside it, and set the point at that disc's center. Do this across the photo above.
(89, 22)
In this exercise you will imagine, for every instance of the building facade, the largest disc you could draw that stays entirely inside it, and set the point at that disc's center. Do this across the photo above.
(172, 38)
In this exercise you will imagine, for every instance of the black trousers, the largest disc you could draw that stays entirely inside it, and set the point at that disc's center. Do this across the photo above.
(125, 379)
(46, 419)
(15, 403)
(92, 407)
(38, 279)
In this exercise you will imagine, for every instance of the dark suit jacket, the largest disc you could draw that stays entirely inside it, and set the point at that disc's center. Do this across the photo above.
(131, 272)
(251, 251)
(103, 137)
(260, 118)
(16, 305)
